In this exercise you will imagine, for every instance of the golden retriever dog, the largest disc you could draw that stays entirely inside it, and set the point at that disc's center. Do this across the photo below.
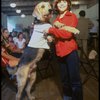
(26, 73)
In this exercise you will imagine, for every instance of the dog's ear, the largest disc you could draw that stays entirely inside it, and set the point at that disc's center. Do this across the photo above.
(36, 12)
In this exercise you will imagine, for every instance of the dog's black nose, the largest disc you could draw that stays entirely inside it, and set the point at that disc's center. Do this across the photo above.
(50, 11)
(53, 11)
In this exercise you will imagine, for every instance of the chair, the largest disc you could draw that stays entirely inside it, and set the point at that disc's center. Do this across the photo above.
(90, 71)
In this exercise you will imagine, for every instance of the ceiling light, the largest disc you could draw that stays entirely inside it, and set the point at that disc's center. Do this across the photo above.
(18, 11)
(23, 15)
(75, 2)
(13, 5)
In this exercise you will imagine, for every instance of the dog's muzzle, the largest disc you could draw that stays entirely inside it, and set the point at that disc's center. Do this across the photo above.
(52, 11)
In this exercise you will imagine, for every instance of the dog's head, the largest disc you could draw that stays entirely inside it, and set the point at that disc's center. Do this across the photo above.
(42, 11)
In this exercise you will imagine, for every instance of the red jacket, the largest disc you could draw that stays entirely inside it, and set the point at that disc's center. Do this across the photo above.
(63, 46)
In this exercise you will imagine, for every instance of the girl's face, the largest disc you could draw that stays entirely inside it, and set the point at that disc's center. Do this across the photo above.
(10, 39)
(62, 5)
(6, 34)
(20, 36)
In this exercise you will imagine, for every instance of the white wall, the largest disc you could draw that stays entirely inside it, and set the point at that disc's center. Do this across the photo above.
(76, 11)
(4, 20)
(92, 12)
(13, 20)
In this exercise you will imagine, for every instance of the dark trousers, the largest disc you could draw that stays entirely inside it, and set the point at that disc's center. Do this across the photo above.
(70, 76)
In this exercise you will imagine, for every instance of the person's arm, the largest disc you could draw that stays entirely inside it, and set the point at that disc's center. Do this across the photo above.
(60, 25)
(61, 33)
(7, 56)
(24, 44)
(15, 49)
(13, 61)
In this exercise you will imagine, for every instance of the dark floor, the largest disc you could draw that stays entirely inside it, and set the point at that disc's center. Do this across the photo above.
(50, 88)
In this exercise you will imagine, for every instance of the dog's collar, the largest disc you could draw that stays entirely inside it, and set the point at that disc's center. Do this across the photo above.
(37, 21)
(41, 22)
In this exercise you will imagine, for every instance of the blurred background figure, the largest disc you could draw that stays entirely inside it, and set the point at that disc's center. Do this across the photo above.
(5, 33)
(14, 35)
(84, 26)
(20, 41)
(26, 34)
(93, 39)
(8, 43)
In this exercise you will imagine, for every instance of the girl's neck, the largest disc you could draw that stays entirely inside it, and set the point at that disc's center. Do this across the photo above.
(20, 39)
(62, 14)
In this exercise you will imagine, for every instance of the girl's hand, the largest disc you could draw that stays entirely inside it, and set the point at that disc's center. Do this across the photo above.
(50, 39)
(46, 31)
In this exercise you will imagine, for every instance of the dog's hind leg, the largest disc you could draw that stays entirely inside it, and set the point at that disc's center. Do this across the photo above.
(33, 73)
(39, 55)
(22, 75)
(29, 85)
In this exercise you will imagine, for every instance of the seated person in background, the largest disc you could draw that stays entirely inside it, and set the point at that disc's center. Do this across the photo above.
(20, 41)
(14, 35)
(8, 59)
(15, 50)
(5, 33)
(26, 35)
(10, 41)
(9, 62)
(11, 49)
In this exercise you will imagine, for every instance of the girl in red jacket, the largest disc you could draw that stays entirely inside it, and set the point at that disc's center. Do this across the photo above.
(66, 50)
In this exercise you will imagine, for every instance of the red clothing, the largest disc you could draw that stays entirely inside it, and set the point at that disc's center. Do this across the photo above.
(4, 60)
(65, 47)
(13, 46)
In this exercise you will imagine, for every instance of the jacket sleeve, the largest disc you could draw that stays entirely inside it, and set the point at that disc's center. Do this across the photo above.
(61, 33)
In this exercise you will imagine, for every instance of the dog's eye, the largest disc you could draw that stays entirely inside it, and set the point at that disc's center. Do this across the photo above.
(42, 6)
